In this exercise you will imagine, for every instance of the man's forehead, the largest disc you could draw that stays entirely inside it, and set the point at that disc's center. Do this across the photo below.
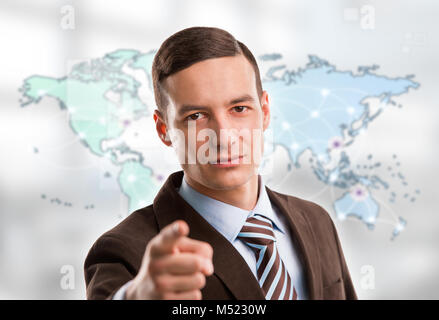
(215, 74)
(207, 85)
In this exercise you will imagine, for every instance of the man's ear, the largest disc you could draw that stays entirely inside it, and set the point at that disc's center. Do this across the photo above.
(265, 107)
(161, 127)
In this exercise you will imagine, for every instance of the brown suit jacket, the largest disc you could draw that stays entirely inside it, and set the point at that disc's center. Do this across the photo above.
(116, 256)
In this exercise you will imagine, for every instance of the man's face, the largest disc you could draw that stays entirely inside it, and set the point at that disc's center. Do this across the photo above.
(215, 107)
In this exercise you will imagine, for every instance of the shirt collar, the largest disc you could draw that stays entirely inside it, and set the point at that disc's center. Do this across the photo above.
(224, 217)
(264, 206)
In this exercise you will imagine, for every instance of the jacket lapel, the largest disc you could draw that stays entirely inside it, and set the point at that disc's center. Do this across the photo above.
(304, 238)
(228, 263)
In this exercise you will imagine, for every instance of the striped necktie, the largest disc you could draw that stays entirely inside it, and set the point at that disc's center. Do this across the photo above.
(273, 277)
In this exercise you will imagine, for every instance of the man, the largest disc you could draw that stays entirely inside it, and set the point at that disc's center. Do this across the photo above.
(214, 230)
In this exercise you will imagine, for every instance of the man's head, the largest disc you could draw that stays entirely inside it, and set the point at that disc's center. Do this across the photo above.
(207, 87)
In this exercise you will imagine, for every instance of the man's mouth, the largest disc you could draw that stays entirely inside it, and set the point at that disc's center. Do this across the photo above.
(221, 162)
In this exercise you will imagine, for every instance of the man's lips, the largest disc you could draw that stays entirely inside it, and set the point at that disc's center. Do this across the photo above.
(229, 159)
(226, 160)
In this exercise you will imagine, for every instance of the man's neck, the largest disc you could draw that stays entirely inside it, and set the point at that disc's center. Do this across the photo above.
(244, 196)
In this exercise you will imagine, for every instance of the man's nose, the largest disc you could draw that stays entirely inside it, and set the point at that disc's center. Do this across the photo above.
(226, 132)
(220, 121)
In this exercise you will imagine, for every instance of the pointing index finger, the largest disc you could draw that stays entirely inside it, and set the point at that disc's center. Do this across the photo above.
(167, 238)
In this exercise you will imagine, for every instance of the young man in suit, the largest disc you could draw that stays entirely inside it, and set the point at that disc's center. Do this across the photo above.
(214, 230)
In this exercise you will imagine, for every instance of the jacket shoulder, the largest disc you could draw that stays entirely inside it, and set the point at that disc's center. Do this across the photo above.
(139, 224)
(317, 218)
(130, 236)
(312, 211)
(117, 254)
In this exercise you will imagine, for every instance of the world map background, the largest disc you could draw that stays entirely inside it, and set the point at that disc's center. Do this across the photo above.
(334, 133)
(318, 108)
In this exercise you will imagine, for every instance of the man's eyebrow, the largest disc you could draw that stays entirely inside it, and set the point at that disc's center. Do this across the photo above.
(243, 98)
(189, 107)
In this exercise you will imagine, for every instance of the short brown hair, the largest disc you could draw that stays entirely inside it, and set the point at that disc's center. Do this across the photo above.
(191, 45)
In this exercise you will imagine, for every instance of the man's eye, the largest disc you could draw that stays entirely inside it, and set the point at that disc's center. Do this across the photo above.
(240, 109)
(193, 116)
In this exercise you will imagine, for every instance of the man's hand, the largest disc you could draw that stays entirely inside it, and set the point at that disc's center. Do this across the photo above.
(173, 267)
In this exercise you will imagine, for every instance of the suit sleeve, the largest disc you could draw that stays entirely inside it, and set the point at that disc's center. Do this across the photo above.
(105, 268)
(348, 285)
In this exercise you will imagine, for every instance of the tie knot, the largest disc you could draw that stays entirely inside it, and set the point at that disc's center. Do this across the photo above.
(257, 231)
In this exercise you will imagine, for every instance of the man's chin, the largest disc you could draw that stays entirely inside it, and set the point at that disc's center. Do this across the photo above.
(226, 177)
(210, 174)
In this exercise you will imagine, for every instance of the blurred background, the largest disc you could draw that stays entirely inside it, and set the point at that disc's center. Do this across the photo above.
(78, 152)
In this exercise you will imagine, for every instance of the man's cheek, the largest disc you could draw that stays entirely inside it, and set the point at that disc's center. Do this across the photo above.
(179, 142)
(257, 145)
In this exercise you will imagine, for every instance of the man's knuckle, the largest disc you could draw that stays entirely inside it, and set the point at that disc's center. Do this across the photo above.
(198, 263)
(209, 248)
(200, 280)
